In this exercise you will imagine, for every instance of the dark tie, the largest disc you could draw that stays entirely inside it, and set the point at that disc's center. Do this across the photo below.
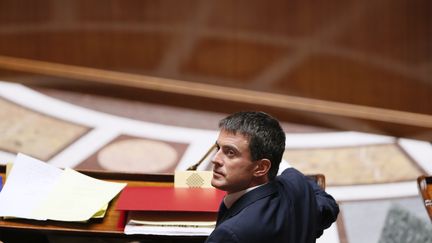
(222, 210)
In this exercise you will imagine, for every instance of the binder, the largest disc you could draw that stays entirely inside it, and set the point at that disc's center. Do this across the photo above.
(170, 199)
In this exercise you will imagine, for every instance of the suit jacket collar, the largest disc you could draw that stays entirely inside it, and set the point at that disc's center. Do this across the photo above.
(249, 198)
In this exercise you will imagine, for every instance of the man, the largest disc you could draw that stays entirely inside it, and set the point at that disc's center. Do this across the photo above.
(260, 206)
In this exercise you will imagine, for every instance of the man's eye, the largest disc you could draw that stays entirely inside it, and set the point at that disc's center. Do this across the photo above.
(230, 153)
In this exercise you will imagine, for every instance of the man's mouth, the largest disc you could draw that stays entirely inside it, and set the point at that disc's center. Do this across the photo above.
(217, 173)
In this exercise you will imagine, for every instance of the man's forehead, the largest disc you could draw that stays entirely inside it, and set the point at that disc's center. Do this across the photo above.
(233, 136)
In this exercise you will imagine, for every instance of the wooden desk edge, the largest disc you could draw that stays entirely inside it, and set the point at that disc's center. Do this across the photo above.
(109, 175)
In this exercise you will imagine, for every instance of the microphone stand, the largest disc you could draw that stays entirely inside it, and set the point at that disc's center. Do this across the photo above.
(195, 166)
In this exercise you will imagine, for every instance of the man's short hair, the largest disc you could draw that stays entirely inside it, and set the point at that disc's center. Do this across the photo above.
(266, 136)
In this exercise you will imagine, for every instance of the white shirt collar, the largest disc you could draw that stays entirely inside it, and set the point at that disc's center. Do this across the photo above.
(230, 199)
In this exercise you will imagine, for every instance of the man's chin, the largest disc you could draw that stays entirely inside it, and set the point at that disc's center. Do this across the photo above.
(216, 183)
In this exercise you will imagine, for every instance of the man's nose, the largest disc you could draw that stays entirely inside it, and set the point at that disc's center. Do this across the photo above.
(217, 158)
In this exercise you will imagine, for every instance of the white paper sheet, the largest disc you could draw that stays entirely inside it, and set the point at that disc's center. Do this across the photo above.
(28, 183)
(131, 229)
(36, 190)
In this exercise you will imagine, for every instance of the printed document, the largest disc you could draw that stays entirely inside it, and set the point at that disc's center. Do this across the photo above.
(36, 190)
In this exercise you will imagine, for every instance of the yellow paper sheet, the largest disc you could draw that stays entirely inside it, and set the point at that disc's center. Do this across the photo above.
(101, 213)
(78, 197)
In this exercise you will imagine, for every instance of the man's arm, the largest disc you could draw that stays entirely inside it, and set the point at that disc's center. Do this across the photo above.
(328, 209)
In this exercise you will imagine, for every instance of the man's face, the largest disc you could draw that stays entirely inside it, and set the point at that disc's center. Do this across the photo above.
(232, 165)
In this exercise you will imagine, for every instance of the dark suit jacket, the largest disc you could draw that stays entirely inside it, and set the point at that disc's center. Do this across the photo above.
(291, 209)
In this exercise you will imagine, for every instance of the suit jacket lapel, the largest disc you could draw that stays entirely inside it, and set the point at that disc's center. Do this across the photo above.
(221, 213)
(246, 200)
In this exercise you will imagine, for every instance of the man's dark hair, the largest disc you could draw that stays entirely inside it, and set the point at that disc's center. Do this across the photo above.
(266, 136)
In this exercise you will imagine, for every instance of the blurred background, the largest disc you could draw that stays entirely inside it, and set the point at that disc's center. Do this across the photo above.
(372, 54)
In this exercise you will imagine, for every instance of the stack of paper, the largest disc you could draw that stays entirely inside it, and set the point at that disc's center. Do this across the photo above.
(169, 210)
(37, 190)
(170, 223)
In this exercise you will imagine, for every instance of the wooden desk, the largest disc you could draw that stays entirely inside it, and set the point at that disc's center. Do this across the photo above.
(425, 189)
(108, 226)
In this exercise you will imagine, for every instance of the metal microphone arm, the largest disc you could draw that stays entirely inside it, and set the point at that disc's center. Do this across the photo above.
(195, 166)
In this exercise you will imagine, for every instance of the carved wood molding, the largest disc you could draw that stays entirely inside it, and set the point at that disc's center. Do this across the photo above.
(193, 89)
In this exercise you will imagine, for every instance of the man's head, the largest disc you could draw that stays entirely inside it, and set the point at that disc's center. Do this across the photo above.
(251, 145)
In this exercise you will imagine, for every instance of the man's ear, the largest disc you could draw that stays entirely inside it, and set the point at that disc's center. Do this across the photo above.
(262, 168)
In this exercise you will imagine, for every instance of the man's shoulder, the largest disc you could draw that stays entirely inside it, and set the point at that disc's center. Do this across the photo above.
(291, 171)
(291, 174)
(293, 182)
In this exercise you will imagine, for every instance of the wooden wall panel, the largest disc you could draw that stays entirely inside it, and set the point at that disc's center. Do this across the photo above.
(367, 53)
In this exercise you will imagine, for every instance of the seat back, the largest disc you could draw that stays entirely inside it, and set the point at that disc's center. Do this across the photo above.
(319, 179)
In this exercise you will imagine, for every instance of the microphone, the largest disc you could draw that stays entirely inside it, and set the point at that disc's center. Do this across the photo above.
(191, 178)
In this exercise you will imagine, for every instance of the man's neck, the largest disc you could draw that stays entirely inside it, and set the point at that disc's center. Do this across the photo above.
(231, 198)
(255, 183)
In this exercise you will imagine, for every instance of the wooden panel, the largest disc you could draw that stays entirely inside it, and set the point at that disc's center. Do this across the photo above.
(356, 82)
(373, 54)
(24, 11)
(236, 60)
(99, 49)
(279, 17)
(399, 30)
(136, 11)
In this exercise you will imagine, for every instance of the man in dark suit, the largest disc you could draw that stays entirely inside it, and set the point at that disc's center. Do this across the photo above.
(260, 206)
